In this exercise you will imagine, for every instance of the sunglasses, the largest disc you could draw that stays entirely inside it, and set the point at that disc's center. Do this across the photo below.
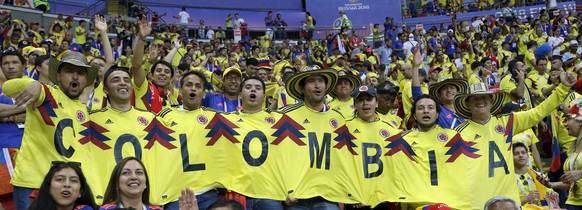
(70, 163)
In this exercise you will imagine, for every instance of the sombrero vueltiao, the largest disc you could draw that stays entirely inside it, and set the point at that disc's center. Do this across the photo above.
(460, 84)
(294, 90)
(497, 97)
(75, 59)
(350, 76)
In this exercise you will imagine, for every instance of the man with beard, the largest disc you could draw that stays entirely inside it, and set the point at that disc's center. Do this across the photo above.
(159, 93)
(228, 100)
(492, 136)
(180, 121)
(53, 114)
(122, 122)
(341, 93)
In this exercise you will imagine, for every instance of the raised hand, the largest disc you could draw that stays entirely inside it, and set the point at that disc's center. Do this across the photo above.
(187, 200)
(568, 78)
(145, 28)
(100, 23)
(177, 43)
(153, 50)
(418, 57)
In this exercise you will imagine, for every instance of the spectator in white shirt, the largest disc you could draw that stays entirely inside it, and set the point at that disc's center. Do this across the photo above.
(238, 21)
(184, 19)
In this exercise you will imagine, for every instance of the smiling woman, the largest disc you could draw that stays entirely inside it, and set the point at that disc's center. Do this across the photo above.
(128, 186)
(64, 187)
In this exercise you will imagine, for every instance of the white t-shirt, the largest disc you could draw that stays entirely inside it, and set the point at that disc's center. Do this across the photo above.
(238, 22)
(408, 47)
(184, 16)
(210, 34)
(555, 41)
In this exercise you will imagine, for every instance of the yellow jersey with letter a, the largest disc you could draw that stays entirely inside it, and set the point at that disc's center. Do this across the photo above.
(494, 142)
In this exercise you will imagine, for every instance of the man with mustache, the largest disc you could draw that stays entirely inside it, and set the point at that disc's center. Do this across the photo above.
(54, 115)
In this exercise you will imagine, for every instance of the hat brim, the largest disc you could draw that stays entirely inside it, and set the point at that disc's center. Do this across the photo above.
(460, 84)
(355, 81)
(54, 65)
(294, 89)
(462, 109)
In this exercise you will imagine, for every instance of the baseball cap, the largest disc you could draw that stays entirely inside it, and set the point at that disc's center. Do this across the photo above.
(232, 70)
(364, 89)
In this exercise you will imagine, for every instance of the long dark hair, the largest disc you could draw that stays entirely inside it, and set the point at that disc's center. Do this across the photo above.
(112, 193)
(44, 200)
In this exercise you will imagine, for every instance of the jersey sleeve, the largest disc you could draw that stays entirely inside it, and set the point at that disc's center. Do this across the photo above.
(12, 87)
(527, 119)
(506, 85)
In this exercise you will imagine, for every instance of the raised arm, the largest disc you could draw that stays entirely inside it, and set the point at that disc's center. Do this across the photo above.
(101, 26)
(139, 74)
(177, 43)
(416, 80)
(529, 118)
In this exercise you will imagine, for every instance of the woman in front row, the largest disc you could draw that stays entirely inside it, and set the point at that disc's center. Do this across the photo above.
(64, 188)
(129, 187)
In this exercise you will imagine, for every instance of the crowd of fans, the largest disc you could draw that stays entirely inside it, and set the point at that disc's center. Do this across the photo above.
(423, 8)
(523, 58)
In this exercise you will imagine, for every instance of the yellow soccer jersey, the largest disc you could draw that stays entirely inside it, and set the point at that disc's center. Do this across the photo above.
(430, 162)
(370, 141)
(537, 82)
(255, 164)
(318, 137)
(392, 119)
(147, 94)
(189, 160)
(50, 132)
(529, 56)
(508, 84)
(112, 135)
(473, 79)
(575, 193)
(59, 36)
(282, 98)
(98, 99)
(346, 108)
(493, 141)
(80, 39)
(529, 139)
(407, 96)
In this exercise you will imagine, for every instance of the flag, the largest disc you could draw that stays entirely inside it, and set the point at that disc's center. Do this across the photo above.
(340, 45)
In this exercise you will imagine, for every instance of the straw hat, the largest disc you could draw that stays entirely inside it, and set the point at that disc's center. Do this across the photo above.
(294, 90)
(75, 59)
(460, 84)
(497, 97)
(350, 76)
